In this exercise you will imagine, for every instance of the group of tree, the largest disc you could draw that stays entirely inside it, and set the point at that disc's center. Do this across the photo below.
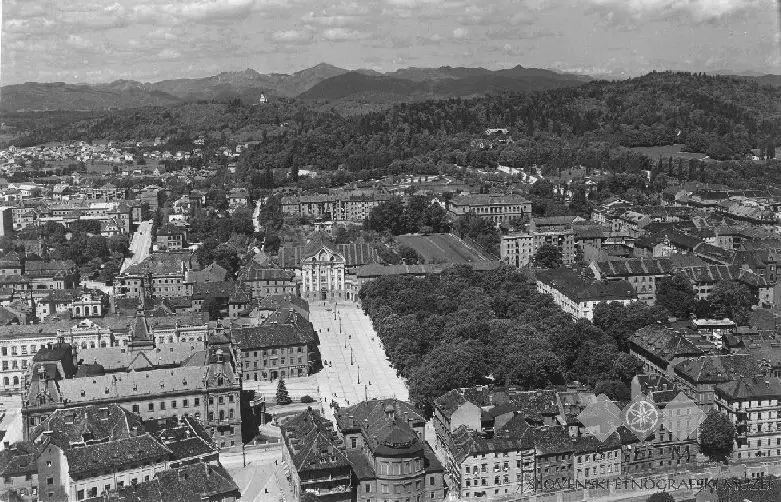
(83, 243)
(466, 327)
(224, 237)
(719, 116)
(418, 215)
(729, 299)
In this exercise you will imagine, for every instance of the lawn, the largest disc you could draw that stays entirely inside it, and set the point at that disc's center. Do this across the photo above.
(442, 248)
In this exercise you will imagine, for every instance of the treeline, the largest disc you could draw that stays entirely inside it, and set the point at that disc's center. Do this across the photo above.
(463, 328)
(717, 115)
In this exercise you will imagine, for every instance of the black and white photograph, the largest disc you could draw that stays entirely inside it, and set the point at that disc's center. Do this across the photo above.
(390, 251)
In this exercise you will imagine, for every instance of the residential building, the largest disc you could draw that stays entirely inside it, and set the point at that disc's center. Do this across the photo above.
(171, 237)
(317, 459)
(263, 281)
(578, 297)
(753, 405)
(642, 274)
(386, 445)
(496, 208)
(159, 275)
(279, 348)
(519, 248)
(206, 387)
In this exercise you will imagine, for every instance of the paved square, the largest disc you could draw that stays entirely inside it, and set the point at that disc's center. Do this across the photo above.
(345, 333)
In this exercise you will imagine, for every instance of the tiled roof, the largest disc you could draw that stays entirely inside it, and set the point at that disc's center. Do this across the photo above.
(488, 199)
(718, 369)
(531, 402)
(754, 388)
(19, 460)
(211, 273)
(635, 267)
(664, 343)
(118, 386)
(575, 288)
(102, 423)
(313, 443)
(386, 424)
(272, 335)
(117, 455)
(257, 272)
(184, 484)
(161, 264)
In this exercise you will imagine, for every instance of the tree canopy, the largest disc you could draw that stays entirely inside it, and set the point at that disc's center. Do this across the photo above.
(466, 327)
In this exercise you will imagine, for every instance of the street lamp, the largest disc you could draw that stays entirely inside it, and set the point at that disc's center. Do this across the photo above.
(351, 357)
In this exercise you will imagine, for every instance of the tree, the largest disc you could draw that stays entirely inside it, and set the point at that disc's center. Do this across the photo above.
(717, 436)
(271, 244)
(580, 203)
(676, 295)
(548, 256)
(479, 230)
(733, 300)
(409, 255)
(387, 216)
(283, 397)
(614, 389)
(661, 497)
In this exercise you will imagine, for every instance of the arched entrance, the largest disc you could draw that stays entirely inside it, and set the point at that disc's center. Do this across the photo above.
(323, 294)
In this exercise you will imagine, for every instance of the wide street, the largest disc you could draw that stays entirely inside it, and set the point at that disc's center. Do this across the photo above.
(355, 364)
(263, 478)
(140, 244)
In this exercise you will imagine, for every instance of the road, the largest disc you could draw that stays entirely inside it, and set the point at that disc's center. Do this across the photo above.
(140, 245)
(263, 478)
(357, 368)
(256, 215)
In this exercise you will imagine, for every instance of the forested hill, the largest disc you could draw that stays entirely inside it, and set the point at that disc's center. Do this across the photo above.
(721, 116)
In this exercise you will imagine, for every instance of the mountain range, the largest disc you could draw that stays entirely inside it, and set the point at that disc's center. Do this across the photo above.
(321, 82)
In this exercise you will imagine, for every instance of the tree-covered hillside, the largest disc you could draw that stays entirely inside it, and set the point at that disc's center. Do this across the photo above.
(720, 116)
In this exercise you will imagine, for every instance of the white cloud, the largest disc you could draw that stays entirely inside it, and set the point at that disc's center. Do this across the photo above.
(343, 34)
(291, 36)
(699, 10)
(460, 33)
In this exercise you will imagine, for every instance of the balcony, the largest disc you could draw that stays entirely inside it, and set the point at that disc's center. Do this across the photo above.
(322, 492)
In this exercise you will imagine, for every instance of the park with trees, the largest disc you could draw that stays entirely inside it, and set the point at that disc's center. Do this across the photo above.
(466, 327)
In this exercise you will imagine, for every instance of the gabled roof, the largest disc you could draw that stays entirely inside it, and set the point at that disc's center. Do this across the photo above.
(718, 368)
(753, 388)
(117, 455)
(313, 443)
(635, 267)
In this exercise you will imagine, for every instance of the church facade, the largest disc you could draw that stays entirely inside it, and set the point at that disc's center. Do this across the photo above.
(322, 274)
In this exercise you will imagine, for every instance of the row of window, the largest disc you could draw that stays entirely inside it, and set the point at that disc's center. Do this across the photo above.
(273, 352)
(273, 362)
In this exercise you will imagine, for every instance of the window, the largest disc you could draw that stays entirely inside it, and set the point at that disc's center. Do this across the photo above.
(197, 401)
(49, 481)
(431, 481)
(135, 408)
(80, 494)
(162, 405)
(151, 406)
(173, 404)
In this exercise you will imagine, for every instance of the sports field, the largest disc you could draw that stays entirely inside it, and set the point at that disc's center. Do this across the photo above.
(443, 248)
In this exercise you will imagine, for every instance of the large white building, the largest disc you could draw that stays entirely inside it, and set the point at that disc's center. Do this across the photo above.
(579, 298)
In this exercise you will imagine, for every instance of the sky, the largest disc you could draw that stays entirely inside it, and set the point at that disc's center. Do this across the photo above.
(92, 41)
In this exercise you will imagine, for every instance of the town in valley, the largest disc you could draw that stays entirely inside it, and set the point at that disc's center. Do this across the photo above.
(389, 284)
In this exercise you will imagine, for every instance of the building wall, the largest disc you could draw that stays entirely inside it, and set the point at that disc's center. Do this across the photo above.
(756, 425)
(219, 410)
(96, 485)
(266, 365)
(496, 474)
(597, 465)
